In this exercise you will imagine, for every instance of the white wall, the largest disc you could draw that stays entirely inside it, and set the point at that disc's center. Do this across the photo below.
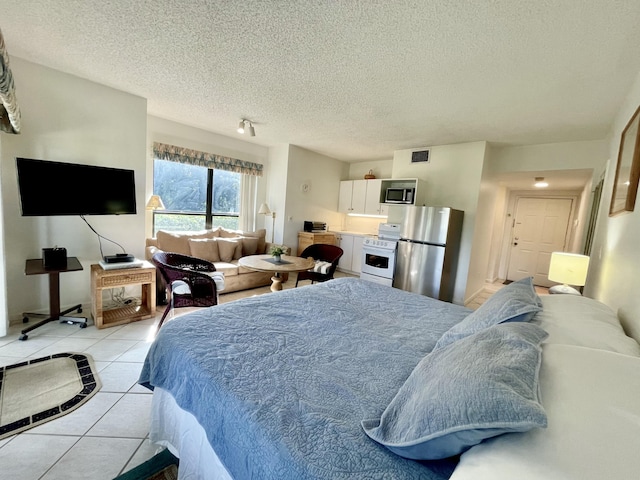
(276, 195)
(380, 168)
(172, 133)
(549, 156)
(615, 260)
(66, 118)
(318, 202)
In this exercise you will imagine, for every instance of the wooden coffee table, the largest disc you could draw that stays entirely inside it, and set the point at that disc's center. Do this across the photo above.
(267, 263)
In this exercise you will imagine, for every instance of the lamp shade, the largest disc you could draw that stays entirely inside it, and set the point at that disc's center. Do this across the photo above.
(155, 203)
(568, 268)
(264, 209)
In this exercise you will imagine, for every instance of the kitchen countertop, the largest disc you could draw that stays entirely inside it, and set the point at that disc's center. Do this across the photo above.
(359, 234)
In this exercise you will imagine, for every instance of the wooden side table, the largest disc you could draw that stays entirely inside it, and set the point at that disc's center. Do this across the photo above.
(309, 238)
(101, 279)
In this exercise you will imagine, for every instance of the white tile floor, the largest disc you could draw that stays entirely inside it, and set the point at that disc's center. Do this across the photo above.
(108, 435)
(101, 439)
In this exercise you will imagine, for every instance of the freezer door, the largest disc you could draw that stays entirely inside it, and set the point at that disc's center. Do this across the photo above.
(426, 224)
(419, 268)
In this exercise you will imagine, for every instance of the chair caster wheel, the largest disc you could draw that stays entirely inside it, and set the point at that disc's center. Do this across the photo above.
(79, 310)
(83, 325)
(24, 336)
(25, 319)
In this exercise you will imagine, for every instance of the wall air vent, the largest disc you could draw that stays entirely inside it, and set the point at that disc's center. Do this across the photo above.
(421, 156)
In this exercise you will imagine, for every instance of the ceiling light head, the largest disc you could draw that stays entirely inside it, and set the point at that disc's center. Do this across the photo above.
(540, 183)
(242, 127)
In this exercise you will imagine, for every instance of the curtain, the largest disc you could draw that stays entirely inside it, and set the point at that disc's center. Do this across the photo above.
(9, 109)
(248, 201)
(163, 151)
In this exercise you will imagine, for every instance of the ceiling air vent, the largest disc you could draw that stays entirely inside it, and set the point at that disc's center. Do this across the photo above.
(421, 156)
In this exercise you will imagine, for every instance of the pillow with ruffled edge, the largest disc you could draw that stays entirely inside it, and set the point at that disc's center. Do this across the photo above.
(516, 302)
(476, 388)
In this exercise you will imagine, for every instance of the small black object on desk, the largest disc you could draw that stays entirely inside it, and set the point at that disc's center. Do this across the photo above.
(36, 266)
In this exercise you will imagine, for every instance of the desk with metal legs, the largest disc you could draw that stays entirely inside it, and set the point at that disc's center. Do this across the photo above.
(35, 266)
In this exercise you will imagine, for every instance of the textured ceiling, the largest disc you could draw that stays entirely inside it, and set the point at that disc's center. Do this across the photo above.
(354, 80)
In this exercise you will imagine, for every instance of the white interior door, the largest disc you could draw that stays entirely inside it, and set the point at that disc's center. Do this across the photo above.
(541, 226)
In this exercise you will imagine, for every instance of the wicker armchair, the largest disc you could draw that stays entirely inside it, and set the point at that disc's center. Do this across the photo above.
(188, 279)
(325, 253)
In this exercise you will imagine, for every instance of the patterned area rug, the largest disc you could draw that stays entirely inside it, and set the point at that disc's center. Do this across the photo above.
(163, 466)
(37, 391)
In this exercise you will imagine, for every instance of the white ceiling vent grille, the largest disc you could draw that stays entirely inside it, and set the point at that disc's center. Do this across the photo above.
(420, 157)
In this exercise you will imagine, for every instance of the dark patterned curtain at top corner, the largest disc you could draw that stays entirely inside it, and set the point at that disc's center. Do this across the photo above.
(163, 151)
(9, 109)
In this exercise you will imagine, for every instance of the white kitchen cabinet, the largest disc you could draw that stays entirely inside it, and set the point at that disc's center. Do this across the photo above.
(351, 260)
(360, 197)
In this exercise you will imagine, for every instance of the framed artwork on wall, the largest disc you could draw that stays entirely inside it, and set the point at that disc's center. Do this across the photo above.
(625, 185)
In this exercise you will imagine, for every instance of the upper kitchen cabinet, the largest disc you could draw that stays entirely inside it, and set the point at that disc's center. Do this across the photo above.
(360, 197)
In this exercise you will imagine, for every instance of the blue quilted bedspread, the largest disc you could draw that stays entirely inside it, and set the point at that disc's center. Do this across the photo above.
(281, 382)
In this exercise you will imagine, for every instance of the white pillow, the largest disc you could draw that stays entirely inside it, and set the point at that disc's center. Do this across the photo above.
(582, 321)
(593, 413)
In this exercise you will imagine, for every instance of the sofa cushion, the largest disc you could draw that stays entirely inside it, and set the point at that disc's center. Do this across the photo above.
(178, 242)
(229, 248)
(227, 233)
(205, 248)
(261, 235)
(229, 269)
(249, 245)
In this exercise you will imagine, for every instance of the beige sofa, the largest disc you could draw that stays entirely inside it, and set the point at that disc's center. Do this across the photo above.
(221, 246)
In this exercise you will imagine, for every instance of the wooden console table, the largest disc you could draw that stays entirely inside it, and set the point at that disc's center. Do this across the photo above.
(101, 279)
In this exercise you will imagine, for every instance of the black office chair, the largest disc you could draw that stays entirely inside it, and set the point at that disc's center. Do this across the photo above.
(188, 279)
(322, 252)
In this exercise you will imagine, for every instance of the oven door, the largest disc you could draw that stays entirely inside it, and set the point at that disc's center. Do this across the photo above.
(378, 261)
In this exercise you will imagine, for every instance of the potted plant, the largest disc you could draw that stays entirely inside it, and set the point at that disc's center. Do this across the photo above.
(276, 251)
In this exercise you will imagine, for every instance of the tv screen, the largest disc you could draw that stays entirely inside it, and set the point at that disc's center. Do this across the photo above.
(57, 188)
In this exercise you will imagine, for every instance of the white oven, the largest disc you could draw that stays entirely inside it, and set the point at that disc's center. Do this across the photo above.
(379, 255)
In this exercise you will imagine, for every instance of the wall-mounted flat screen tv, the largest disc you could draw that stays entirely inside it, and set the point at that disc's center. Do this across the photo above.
(57, 188)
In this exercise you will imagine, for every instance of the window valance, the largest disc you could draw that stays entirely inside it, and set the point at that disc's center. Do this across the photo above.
(162, 151)
(9, 110)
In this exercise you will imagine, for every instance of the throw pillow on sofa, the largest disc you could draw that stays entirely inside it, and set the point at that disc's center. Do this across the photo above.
(260, 234)
(249, 245)
(205, 248)
(229, 249)
(178, 242)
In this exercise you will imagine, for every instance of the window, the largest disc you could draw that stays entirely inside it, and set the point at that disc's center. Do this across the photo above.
(195, 197)
(202, 190)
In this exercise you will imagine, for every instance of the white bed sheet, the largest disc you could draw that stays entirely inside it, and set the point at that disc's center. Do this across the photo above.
(180, 432)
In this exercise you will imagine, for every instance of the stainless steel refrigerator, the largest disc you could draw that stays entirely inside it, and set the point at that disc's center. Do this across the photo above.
(428, 249)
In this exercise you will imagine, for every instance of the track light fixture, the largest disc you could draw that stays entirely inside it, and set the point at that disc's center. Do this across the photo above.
(242, 125)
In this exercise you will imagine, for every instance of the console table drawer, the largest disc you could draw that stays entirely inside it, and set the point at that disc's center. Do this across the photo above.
(109, 281)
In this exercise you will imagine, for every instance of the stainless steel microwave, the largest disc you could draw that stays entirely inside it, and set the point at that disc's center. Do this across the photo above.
(399, 195)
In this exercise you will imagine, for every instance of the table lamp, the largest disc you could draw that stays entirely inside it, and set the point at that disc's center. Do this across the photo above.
(569, 269)
(155, 203)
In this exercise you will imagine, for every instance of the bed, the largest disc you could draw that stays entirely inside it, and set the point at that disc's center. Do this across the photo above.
(351, 379)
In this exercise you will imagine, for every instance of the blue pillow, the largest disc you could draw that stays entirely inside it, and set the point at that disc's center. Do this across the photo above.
(516, 302)
(478, 387)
